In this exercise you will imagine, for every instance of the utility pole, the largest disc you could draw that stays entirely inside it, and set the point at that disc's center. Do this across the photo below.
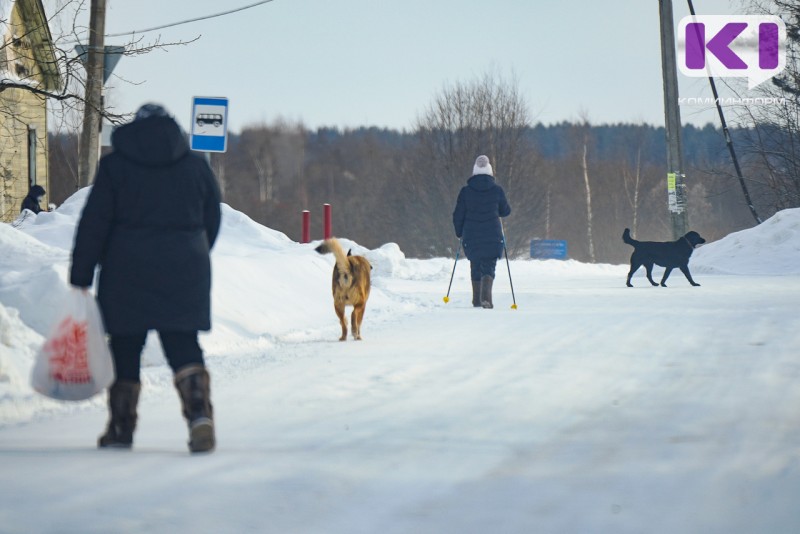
(90, 135)
(676, 189)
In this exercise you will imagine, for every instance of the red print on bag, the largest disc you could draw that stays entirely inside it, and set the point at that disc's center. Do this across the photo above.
(67, 353)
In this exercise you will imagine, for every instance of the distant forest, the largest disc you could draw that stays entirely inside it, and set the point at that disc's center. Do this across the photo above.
(381, 187)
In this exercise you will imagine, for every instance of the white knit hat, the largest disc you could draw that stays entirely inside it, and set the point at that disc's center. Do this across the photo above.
(482, 166)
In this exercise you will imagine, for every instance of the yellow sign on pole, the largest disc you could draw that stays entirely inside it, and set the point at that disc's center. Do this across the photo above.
(672, 193)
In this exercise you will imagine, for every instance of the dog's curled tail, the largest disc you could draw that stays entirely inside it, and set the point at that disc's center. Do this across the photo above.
(332, 245)
(626, 236)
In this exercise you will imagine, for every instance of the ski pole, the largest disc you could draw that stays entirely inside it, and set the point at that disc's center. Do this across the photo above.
(508, 265)
(447, 297)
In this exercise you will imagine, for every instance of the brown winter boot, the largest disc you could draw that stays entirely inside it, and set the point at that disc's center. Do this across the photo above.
(123, 396)
(476, 293)
(194, 387)
(486, 291)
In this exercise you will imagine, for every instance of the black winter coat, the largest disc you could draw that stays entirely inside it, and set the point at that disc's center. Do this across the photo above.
(476, 218)
(150, 221)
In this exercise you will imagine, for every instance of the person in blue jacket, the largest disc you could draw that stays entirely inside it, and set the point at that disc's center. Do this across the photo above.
(476, 220)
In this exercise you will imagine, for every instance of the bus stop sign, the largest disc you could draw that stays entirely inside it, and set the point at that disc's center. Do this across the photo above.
(209, 124)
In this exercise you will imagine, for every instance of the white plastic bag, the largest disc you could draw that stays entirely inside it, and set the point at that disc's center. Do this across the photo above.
(74, 363)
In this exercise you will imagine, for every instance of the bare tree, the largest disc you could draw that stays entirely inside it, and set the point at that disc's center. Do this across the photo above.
(771, 132)
(632, 178)
(257, 142)
(585, 129)
(63, 69)
(290, 144)
(484, 116)
(43, 88)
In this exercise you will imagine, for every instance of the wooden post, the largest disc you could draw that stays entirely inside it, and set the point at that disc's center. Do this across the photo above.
(306, 238)
(95, 64)
(676, 189)
(328, 229)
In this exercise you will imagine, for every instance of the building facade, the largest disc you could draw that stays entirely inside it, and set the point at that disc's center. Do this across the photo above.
(27, 65)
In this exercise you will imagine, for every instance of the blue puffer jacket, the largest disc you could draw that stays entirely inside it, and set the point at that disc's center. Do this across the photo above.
(476, 218)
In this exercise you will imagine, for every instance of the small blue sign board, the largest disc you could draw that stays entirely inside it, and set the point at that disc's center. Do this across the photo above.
(209, 124)
(548, 249)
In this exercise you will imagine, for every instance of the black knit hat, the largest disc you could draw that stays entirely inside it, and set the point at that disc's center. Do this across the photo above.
(150, 110)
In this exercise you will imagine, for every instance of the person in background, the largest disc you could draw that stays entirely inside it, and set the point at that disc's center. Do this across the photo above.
(35, 196)
(150, 221)
(476, 220)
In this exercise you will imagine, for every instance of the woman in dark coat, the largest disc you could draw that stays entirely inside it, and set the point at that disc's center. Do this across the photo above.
(150, 221)
(476, 219)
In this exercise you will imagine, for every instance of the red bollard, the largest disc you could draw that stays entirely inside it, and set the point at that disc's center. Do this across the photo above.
(306, 227)
(326, 213)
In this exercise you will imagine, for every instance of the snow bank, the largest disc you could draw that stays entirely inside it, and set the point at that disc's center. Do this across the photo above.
(32, 274)
(267, 289)
(771, 248)
(18, 346)
(56, 228)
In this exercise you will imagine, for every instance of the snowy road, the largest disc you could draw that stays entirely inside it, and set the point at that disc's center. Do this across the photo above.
(591, 408)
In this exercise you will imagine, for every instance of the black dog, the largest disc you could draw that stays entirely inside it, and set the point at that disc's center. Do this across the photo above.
(669, 254)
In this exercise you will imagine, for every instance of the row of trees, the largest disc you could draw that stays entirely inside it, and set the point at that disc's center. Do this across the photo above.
(388, 186)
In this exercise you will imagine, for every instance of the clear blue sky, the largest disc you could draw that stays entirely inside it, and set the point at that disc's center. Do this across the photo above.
(350, 63)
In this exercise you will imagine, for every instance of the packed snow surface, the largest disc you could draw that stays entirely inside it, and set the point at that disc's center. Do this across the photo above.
(593, 407)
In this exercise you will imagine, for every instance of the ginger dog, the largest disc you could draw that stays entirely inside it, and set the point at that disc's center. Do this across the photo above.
(351, 285)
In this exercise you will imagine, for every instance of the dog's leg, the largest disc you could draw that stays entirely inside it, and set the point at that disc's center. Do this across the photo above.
(634, 267)
(649, 268)
(340, 314)
(354, 324)
(358, 316)
(630, 274)
(685, 270)
(666, 275)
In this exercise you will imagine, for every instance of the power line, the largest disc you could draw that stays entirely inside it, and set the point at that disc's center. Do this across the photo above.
(189, 20)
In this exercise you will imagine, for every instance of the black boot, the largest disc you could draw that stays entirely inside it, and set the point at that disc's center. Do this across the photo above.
(486, 291)
(123, 396)
(194, 387)
(476, 293)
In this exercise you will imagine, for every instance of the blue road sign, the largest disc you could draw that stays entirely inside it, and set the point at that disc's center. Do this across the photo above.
(548, 249)
(209, 124)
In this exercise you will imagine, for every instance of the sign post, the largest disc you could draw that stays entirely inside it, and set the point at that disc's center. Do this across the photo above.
(209, 124)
